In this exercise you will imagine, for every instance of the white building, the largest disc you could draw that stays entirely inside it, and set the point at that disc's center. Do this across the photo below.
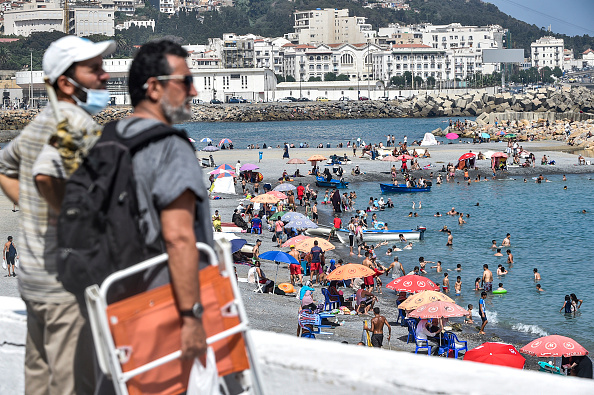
(330, 26)
(128, 24)
(587, 58)
(83, 21)
(418, 59)
(547, 52)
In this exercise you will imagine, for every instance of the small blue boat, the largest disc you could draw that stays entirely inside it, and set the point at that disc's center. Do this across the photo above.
(402, 188)
(338, 184)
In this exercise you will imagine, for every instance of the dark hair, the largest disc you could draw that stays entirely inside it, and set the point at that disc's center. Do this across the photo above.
(485, 266)
(567, 298)
(501, 284)
(483, 293)
(9, 238)
(376, 310)
(574, 297)
(151, 61)
(68, 73)
(535, 270)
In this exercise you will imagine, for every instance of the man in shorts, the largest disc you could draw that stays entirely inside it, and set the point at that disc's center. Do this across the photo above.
(295, 268)
(483, 312)
(336, 224)
(316, 262)
(487, 279)
(279, 226)
(351, 228)
(10, 253)
(377, 328)
(368, 281)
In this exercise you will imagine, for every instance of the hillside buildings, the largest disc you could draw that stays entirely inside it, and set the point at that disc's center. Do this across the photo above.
(547, 52)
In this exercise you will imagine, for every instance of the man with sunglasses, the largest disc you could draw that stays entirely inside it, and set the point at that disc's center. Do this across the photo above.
(59, 351)
(171, 194)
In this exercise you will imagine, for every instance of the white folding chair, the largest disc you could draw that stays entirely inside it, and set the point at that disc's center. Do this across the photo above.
(253, 278)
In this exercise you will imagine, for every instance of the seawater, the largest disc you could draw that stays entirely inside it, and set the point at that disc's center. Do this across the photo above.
(313, 132)
(548, 230)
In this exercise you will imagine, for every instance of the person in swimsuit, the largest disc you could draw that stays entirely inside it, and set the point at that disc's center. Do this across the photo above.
(450, 241)
(446, 283)
(458, 286)
(377, 328)
(487, 278)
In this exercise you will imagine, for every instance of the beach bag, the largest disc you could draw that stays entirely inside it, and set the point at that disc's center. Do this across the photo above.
(4, 264)
(274, 238)
(98, 226)
(16, 263)
(204, 380)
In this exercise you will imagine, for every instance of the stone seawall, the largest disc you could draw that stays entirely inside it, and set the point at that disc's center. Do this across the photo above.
(573, 103)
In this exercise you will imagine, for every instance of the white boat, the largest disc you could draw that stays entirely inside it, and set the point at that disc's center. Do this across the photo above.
(374, 235)
(321, 230)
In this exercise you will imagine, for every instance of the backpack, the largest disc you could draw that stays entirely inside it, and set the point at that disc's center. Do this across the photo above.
(98, 227)
(12, 252)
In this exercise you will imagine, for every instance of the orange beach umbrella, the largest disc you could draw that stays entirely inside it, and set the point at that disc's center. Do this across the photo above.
(307, 244)
(422, 298)
(266, 199)
(349, 271)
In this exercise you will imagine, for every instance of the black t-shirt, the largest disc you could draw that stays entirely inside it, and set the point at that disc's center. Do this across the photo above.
(584, 367)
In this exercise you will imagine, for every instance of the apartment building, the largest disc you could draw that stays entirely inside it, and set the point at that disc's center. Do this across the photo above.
(330, 26)
(547, 52)
(418, 59)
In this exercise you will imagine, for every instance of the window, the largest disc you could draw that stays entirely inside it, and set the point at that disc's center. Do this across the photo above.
(346, 59)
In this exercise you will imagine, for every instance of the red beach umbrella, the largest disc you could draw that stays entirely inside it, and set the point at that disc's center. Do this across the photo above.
(390, 158)
(404, 157)
(451, 136)
(467, 155)
(294, 240)
(439, 309)
(412, 284)
(295, 161)
(499, 155)
(554, 346)
(496, 354)
(277, 194)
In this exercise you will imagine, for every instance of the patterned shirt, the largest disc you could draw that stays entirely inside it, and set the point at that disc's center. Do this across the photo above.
(38, 232)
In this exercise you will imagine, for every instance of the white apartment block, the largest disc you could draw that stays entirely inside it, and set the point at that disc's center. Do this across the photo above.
(128, 24)
(330, 26)
(269, 53)
(167, 6)
(547, 52)
(587, 58)
(418, 59)
(83, 21)
(354, 60)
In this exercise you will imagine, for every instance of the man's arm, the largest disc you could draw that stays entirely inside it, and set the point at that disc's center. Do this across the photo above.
(51, 189)
(389, 328)
(177, 221)
(10, 187)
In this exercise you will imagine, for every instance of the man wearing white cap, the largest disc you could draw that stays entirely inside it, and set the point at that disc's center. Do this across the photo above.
(59, 352)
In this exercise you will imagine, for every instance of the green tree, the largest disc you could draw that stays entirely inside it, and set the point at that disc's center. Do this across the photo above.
(330, 77)
(557, 72)
(290, 78)
(342, 77)
(314, 79)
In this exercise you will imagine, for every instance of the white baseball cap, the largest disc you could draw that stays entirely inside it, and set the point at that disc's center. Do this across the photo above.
(62, 53)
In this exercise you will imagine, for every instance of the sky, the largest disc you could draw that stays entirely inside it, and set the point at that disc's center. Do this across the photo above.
(571, 17)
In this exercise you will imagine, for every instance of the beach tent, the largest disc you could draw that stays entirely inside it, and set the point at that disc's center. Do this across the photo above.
(429, 139)
(224, 185)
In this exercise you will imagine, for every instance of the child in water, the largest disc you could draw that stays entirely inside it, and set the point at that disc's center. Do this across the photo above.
(477, 284)
(468, 318)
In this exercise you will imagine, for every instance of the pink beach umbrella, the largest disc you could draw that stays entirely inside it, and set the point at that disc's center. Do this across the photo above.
(225, 141)
(438, 309)
(554, 346)
(451, 136)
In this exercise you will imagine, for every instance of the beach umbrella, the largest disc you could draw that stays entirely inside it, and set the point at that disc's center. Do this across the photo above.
(205, 140)
(277, 194)
(220, 171)
(485, 135)
(302, 223)
(249, 167)
(390, 158)
(210, 148)
(500, 133)
(191, 140)
(294, 240)
(350, 271)
(509, 136)
(499, 155)
(278, 257)
(276, 215)
(291, 215)
(422, 298)
(225, 141)
(496, 354)
(237, 244)
(554, 346)
(451, 136)
(467, 155)
(265, 198)
(225, 173)
(307, 245)
(439, 309)
(285, 186)
(296, 161)
(412, 283)
(225, 166)
(316, 158)
(404, 157)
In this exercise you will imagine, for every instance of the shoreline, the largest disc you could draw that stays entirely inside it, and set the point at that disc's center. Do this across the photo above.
(279, 313)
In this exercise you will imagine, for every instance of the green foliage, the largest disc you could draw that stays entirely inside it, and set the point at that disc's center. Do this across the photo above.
(342, 77)
(557, 72)
(279, 78)
(314, 79)
(290, 78)
(430, 81)
(330, 77)
(17, 55)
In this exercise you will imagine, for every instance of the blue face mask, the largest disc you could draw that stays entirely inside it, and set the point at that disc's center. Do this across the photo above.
(97, 99)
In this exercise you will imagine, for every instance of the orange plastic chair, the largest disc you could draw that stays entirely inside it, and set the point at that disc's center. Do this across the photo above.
(138, 338)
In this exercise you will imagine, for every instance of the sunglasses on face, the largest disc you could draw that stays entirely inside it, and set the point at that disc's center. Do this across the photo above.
(187, 80)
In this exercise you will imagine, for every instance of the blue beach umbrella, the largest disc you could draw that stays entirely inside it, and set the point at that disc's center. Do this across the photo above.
(236, 244)
(225, 141)
(290, 216)
(278, 257)
(285, 187)
(485, 135)
(303, 223)
(206, 140)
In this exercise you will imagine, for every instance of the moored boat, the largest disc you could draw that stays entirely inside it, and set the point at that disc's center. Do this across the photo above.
(402, 188)
(375, 235)
(338, 184)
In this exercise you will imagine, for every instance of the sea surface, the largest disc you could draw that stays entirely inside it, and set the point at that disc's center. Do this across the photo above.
(548, 229)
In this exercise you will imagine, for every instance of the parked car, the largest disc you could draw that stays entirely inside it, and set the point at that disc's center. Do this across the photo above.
(216, 101)
(237, 100)
(344, 98)
(363, 98)
(401, 98)
(322, 98)
(284, 100)
(384, 98)
(303, 99)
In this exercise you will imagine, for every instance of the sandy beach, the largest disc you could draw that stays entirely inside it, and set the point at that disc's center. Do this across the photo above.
(279, 313)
